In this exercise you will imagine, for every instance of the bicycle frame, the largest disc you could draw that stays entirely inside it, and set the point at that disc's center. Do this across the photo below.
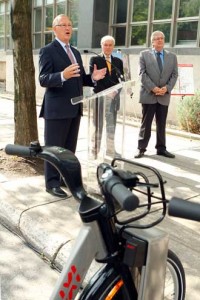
(90, 245)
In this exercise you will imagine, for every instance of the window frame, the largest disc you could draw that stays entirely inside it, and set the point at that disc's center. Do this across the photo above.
(150, 22)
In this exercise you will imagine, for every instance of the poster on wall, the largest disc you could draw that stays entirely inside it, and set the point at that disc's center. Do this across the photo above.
(185, 82)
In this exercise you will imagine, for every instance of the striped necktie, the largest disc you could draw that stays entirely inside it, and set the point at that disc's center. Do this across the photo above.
(70, 55)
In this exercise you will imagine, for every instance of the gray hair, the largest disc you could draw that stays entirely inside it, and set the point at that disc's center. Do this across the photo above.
(155, 33)
(107, 38)
(57, 19)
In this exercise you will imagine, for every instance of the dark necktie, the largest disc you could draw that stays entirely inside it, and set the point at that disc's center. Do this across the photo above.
(159, 61)
(69, 53)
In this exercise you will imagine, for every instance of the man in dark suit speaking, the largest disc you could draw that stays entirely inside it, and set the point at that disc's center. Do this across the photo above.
(111, 104)
(61, 72)
(158, 72)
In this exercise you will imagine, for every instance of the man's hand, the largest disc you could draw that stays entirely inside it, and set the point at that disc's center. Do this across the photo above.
(71, 71)
(98, 74)
(160, 91)
(156, 90)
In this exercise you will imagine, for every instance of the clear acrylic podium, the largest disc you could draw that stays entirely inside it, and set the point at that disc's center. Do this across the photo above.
(109, 134)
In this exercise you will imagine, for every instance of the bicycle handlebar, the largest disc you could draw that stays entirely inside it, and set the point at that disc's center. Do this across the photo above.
(184, 209)
(24, 151)
(126, 199)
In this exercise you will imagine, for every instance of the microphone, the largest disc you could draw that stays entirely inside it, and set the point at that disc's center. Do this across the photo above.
(118, 73)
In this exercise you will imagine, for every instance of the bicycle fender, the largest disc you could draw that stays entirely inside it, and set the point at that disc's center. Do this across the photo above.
(97, 282)
(107, 284)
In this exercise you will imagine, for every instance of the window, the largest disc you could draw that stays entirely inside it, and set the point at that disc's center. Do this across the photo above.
(163, 9)
(140, 11)
(138, 35)
(2, 25)
(49, 16)
(120, 34)
(44, 11)
(5, 26)
(119, 19)
(133, 21)
(38, 26)
(60, 7)
(120, 11)
(187, 24)
(189, 8)
(139, 21)
(187, 33)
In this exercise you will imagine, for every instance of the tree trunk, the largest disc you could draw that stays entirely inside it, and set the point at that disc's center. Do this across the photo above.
(25, 115)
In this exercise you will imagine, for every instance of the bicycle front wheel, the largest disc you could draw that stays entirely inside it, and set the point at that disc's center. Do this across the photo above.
(175, 286)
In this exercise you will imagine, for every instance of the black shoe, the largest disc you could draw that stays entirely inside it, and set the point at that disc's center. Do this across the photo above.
(139, 153)
(57, 191)
(166, 154)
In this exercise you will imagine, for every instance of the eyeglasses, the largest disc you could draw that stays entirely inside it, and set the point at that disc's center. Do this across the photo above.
(64, 25)
(158, 38)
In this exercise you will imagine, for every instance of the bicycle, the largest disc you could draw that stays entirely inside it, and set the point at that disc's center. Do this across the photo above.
(137, 263)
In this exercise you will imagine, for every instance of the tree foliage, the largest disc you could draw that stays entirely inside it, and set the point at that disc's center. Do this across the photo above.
(25, 115)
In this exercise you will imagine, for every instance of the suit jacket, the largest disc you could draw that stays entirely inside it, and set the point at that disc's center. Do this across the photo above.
(110, 79)
(57, 98)
(151, 76)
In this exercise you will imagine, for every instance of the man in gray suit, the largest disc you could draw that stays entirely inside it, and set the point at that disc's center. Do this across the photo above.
(159, 72)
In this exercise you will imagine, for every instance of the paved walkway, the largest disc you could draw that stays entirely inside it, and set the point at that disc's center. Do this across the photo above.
(51, 224)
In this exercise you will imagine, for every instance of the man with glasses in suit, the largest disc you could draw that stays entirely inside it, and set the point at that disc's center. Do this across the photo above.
(159, 73)
(61, 72)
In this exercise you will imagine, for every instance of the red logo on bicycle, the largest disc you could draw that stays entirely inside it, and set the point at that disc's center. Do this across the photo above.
(72, 276)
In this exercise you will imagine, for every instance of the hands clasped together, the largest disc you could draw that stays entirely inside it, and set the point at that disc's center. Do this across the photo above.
(160, 91)
(74, 71)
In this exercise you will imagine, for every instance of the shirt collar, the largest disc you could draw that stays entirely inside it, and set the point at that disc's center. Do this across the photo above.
(108, 56)
(161, 52)
(61, 43)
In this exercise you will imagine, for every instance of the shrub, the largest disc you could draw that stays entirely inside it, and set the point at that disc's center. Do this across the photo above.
(189, 113)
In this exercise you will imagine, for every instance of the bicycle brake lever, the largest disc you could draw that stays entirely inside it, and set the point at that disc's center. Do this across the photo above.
(146, 184)
(129, 179)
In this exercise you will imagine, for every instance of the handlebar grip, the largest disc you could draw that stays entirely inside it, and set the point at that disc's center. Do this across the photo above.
(19, 150)
(184, 209)
(127, 200)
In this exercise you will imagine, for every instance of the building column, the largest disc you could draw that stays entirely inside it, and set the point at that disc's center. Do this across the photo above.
(93, 22)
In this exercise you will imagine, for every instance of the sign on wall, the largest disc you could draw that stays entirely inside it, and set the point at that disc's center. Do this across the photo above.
(185, 82)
